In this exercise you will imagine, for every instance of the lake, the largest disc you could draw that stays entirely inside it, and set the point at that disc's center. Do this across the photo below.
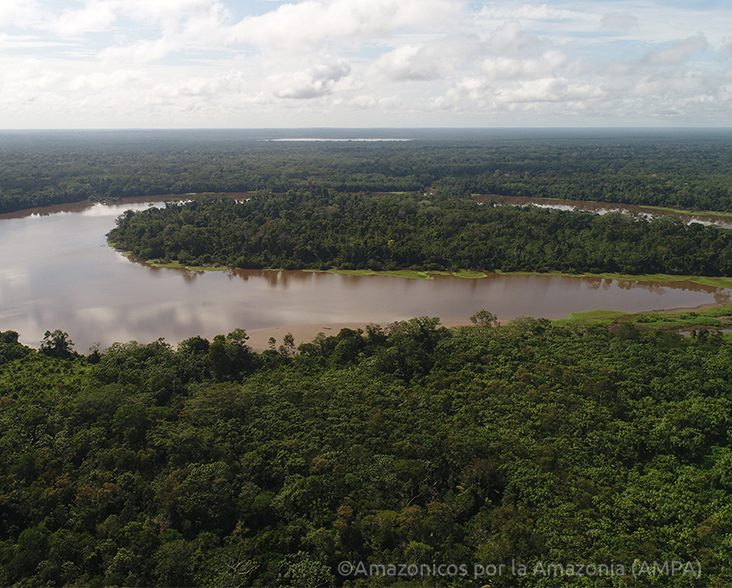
(57, 272)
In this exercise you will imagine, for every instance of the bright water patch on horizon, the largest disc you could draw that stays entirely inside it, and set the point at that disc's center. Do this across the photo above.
(314, 139)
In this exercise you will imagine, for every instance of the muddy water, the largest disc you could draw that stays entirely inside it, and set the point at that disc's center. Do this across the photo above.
(57, 272)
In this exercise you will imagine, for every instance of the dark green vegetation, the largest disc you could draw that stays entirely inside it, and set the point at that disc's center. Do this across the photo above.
(662, 168)
(211, 465)
(325, 229)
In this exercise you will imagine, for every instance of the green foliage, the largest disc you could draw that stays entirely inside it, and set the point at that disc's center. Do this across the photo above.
(327, 229)
(713, 318)
(411, 444)
(10, 348)
(686, 171)
(57, 344)
(484, 319)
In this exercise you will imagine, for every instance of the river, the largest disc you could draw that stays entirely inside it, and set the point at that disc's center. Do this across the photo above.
(57, 272)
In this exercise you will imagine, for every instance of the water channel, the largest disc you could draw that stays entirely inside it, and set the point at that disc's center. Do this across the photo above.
(57, 272)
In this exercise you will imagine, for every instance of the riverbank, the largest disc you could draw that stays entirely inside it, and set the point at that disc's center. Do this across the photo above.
(707, 316)
(661, 279)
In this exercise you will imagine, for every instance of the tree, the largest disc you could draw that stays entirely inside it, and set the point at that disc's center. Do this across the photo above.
(484, 319)
(302, 571)
(57, 344)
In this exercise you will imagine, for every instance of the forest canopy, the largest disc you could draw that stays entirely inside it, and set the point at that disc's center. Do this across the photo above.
(682, 169)
(212, 465)
(326, 230)
(529, 443)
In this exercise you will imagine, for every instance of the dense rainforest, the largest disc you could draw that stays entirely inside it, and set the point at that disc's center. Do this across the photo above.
(326, 230)
(524, 454)
(569, 456)
(683, 169)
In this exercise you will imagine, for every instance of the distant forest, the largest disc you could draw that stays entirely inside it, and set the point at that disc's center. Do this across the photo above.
(686, 170)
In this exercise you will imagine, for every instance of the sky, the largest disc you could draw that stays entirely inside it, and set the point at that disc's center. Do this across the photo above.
(78, 64)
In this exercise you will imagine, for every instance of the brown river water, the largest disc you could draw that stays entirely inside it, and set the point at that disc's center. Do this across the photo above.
(57, 272)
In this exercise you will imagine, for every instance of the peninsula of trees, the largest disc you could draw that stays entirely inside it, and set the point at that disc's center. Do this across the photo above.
(330, 230)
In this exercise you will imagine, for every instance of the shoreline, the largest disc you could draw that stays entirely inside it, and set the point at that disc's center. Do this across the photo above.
(258, 338)
(714, 281)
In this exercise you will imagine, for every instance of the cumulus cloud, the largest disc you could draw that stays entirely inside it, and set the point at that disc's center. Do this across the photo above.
(204, 88)
(313, 22)
(20, 13)
(99, 81)
(370, 102)
(431, 61)
(507, 68)
(171, 10)
(29, 81)
(318, 60)
(679, 51)
(96, 16)
(541, 90)
(510, 40)
(530, 12)
(139, 52)
(316, 81)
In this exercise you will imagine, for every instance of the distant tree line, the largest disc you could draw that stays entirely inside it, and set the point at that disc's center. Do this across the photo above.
(684, 172)
(326, 230)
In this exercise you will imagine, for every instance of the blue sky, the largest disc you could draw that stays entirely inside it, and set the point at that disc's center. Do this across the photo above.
(364, 63)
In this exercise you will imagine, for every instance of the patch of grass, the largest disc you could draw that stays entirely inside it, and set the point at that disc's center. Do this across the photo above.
(711, 317)
(410, 274)
(591, 317)
(193, 268)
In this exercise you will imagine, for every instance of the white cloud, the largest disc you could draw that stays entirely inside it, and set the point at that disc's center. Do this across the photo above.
(314, 22)
(99, 81)
(318, 80)
(510, 40)
(139, 52)
(28, 81)
(679, 51)
(370, 102)
(542, 12)
(541, 90)
(507, 68)
(305, 62)
(26, 42)
(171, 10)
(20, 13)
(231, 82)
(96, 16)
(431, 61)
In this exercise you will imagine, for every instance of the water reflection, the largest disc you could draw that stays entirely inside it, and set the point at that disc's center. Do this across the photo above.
(56, 271)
